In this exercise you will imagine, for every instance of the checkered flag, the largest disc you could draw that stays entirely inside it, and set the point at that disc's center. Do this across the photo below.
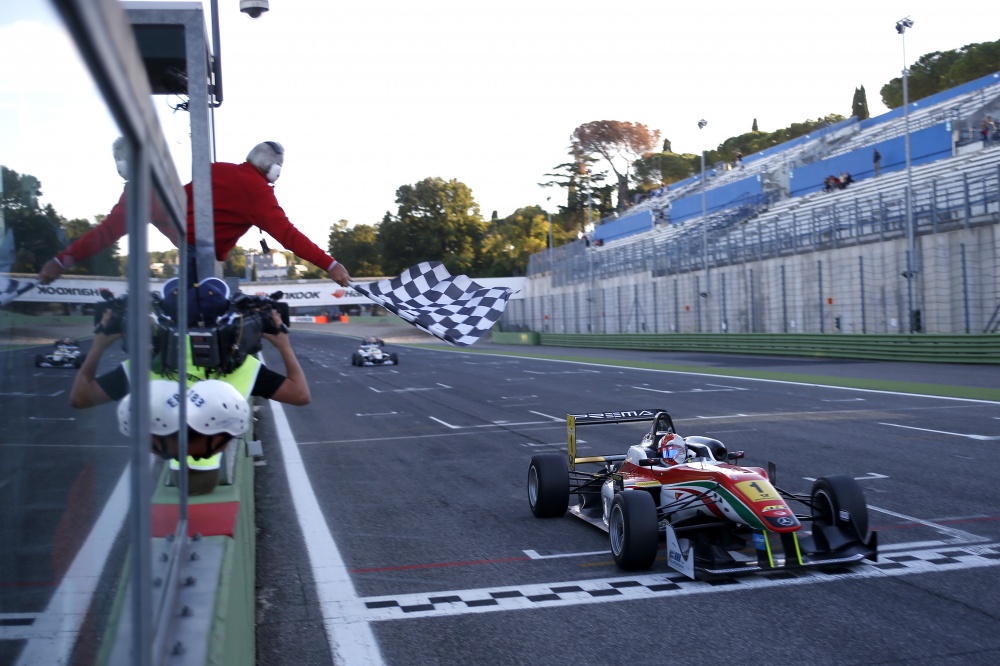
(10, 289)
(454, 309)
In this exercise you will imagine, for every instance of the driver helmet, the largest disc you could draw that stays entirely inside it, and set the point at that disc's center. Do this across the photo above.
(119, 150)
(164, 412)
(217, 407)
(672, 449)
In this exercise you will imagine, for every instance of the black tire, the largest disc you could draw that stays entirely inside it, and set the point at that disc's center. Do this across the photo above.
(838, 500)
(634, 530)
(354, 359)
(394, 359)
(38, 360)
(78, 361)
(548, 485)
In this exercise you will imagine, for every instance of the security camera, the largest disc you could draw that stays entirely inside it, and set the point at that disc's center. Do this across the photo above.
(253, 8)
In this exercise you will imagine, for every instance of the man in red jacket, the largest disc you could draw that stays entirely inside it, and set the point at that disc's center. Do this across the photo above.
(242, 197)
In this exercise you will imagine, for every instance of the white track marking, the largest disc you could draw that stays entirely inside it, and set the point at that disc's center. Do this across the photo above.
(409, 390)
(54, 633)
(533, 554)
(494, 424)
(867, 477)
(554, 418)
(959, 535)
(350, 635)
(377, 414)
(981, 438)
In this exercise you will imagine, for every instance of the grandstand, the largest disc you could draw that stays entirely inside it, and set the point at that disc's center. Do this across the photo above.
(775, 253)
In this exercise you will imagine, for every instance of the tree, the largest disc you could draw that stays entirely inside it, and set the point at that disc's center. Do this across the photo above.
(357, 247)
(105, 262)
(753, 128)
(620, 143)
(587, 200)
(436, 220)
(938, 71)
(236, 263)
(659, 169)
(859, 105)
(511, 241)
(37, 231)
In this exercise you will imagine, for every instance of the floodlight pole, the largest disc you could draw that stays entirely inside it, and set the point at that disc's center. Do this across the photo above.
(911, 260)
(704, 230)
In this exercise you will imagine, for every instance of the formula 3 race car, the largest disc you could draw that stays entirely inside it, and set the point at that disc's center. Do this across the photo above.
(371, 353)
(718, 518)
(65, 354)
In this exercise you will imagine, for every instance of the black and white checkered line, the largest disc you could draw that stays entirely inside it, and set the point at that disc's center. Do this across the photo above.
(652, 586)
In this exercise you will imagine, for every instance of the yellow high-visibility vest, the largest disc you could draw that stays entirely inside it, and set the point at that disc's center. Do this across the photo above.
(242, 379)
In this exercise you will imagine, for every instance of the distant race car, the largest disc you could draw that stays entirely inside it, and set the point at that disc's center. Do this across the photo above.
(371, 353)
(66, 354)
(718, 518)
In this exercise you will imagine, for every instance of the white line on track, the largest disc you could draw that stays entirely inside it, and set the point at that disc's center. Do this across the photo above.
(350, 636)
(53, 635)
(981, 438)
(959, 535)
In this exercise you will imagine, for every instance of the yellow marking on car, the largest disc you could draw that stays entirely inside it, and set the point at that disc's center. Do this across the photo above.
(758, 491)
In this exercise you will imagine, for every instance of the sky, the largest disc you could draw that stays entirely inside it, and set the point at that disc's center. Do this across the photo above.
(369, 96)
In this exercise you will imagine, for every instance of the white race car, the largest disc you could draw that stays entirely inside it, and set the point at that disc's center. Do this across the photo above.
(371, 353)
(66, 354)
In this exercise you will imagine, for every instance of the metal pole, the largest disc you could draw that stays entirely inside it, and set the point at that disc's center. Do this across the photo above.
(704, 215)
(911, 267)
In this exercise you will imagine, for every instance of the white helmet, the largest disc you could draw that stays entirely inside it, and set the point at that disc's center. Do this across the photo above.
(164, 404)
(215, 407)
(268, 158)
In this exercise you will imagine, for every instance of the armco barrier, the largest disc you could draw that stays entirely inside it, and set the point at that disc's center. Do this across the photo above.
(979, 349)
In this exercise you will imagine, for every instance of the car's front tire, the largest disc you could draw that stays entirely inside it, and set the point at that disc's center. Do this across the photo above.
(39, 359)
(838, 501)
(634, 529)
(548, 485)
(394, 358)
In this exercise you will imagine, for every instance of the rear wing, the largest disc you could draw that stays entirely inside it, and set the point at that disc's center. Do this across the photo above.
(627, 416)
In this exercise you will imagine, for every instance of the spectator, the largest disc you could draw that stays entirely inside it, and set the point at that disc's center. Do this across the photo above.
(242, 197)
(831, 183)
(876, 160)
(845, 180)
(739, 160)
(988, 129)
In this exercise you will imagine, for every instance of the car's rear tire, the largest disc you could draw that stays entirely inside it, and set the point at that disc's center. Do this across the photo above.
(838, 500)
(634, 529)
(548, 485)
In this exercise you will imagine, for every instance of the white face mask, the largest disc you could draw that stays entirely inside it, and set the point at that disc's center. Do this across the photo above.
(122, 166)
(273, 173)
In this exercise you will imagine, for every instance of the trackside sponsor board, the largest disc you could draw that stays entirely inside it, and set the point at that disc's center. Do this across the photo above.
(322, 293)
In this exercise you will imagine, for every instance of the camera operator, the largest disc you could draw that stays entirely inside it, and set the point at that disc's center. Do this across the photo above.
(251, 378)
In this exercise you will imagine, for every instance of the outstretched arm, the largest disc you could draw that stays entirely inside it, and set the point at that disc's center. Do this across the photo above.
(295, 389)
(86, 391)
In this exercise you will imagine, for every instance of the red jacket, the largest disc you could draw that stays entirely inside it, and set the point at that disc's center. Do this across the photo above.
(241, 197)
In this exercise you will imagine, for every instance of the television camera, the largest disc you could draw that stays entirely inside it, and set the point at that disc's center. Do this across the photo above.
(219, 344)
